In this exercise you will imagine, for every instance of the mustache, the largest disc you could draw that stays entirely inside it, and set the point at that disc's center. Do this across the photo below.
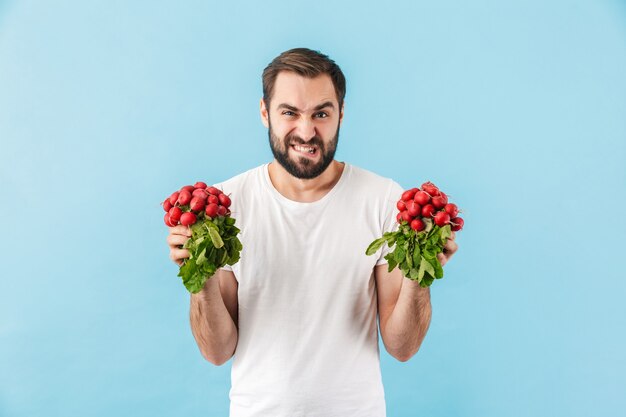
(314, 141)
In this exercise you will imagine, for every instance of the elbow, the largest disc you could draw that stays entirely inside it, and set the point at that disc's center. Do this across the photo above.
(403, 357)
(216, 359)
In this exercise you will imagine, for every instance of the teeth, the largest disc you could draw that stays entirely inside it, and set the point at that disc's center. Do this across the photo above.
(304, 149)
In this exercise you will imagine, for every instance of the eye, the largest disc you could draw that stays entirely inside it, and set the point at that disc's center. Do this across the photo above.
(322, 115)
(287, 111)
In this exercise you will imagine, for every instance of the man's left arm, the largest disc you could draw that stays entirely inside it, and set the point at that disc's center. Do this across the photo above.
(404, 307)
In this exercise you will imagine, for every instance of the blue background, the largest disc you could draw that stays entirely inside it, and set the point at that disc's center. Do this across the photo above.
(516, 109)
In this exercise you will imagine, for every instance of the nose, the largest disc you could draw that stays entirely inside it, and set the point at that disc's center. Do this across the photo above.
(306, 129)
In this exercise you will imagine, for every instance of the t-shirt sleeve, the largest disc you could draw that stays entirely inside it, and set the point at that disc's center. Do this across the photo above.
(390, 211)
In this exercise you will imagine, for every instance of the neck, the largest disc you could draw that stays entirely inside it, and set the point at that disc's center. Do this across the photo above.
(304, 191)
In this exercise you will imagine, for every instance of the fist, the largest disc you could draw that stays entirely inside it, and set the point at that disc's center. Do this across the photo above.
(175, 240)
(448, 250)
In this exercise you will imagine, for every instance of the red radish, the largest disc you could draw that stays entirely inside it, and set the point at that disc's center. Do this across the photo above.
(451, 209)
(440, 201)
(401, 205)
(200, 184)
(184, 197)
(409, 194)
(196, 204)
(187, 219)
(457, 224)
(224, 200)
(422, 198)
(200, 193)
(406, 216)
(213, 190)
(442, 218)
(166, 204)
(189, 188)
(212, 199)
(211, 210)
(428, 210)
(399, 217)
(430, 188)
(413, 208)
(175, 214)
(167, 219)
(417, 225)
(221, 210)
(174, 197)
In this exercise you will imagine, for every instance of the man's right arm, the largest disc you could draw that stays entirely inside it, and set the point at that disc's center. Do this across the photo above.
(213, 310)
(213, 317)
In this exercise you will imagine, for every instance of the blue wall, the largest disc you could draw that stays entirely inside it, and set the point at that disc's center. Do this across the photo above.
(516, 109)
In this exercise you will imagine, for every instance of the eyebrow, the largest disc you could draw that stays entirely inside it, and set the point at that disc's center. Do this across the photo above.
(318, 107)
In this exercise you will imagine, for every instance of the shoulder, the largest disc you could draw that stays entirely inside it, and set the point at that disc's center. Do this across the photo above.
(240, 181)
(375, 183)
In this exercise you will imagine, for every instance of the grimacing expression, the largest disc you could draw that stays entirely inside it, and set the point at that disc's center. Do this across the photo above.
(307, 165)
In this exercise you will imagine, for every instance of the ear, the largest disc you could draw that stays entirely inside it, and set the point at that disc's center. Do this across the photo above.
(264, 114)
(343, 105)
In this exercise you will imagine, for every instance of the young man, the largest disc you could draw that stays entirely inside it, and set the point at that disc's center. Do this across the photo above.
(298, 312)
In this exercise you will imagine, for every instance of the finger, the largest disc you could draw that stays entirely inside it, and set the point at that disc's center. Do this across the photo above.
(178, 255)
(442, 258)
(180, 230)
(176, 240)
(450, 247)
(452, 235)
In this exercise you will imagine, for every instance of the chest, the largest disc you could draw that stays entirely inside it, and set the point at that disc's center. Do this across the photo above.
(300, 254)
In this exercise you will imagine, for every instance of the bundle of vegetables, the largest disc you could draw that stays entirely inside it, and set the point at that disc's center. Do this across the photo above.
(426, 220)
(213, 242)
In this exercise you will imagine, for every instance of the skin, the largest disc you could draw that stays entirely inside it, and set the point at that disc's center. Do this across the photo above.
(295, 114)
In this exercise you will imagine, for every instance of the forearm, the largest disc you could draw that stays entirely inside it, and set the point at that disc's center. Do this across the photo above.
(408, 323)
(211, 324)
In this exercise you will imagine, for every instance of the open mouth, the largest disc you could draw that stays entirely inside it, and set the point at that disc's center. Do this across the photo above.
(309, 151)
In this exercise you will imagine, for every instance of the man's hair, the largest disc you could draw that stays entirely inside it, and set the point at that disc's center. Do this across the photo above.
(307, 63)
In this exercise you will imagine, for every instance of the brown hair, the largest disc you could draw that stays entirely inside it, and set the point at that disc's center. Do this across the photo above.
(305, 62)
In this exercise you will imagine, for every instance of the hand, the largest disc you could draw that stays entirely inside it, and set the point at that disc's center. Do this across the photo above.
(175, 240)
(449, 249)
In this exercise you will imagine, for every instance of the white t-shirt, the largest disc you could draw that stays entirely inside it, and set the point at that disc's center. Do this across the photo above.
(308, 334)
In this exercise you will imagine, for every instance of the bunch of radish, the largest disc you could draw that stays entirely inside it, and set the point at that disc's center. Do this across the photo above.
(213, 242)
(426, 220)
(184, 206)
(427, 202)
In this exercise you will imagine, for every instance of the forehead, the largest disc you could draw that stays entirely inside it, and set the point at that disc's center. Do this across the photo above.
(303, 92)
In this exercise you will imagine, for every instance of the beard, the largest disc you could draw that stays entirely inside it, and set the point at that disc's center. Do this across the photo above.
(300, 166)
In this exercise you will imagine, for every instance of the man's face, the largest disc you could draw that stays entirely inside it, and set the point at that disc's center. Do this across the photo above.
(303, 123)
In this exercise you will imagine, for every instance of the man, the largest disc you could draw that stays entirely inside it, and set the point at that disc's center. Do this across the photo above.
(298, 312)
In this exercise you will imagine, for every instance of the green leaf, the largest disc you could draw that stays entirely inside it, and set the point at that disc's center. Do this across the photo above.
(446, 232)
(392, 263)
(417, 256)
(438, 269)
(426, 265)
(429, 224)
(391, 238)
(215, 238)
(375, 245)
(400, 254)
(427, 281)
(210, 225)
(409, 259)
(201, 258)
